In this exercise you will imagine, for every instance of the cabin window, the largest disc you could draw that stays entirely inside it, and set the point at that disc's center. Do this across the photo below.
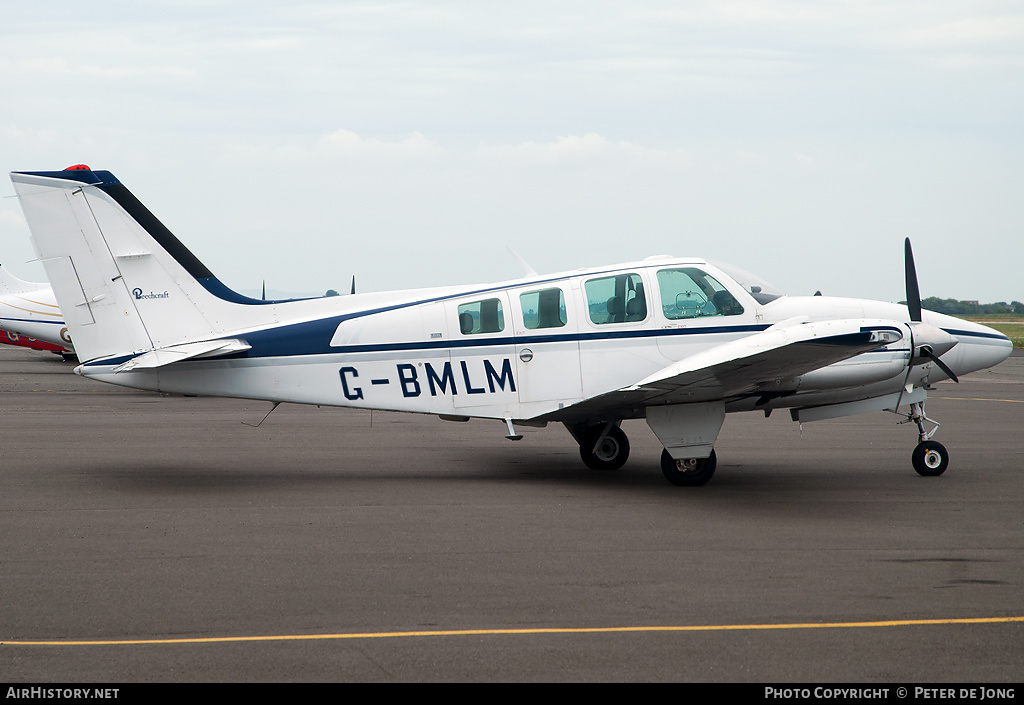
(543, 309)
(690, 292)
(618, 299)
(481, 317)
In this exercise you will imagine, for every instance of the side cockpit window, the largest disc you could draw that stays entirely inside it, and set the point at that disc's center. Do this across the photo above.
(481, 317)
(543, 309)
(690, 292)
(617, 299)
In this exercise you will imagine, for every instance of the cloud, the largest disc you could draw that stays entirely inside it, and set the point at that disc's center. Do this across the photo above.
(583, 132)
(980, 32)
(60, 66)
(338, 148)
(590, 148)
(11, 217)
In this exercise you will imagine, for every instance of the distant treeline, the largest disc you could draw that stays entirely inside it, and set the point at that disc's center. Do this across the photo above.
(967, 308)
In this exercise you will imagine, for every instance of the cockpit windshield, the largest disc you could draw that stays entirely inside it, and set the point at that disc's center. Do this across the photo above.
(762, 291)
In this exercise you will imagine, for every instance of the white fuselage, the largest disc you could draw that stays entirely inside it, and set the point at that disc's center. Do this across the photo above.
(492, 351)
(32, 312)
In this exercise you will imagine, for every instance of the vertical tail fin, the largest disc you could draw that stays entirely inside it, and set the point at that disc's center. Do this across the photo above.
(124, 283)
(10, 284)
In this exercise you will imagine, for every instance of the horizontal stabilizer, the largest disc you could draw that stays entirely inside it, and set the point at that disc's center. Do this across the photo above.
(185, 351)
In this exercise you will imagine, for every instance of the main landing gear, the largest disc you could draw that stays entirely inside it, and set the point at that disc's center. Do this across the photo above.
(930, 457)
(603, 447)
(688, 472)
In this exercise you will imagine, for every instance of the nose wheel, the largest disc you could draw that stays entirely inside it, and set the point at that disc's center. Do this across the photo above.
(930, 458)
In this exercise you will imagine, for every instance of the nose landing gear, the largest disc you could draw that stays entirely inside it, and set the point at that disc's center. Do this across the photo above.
(930, 457)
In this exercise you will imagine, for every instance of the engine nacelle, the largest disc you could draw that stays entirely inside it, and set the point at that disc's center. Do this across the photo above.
(855, 372)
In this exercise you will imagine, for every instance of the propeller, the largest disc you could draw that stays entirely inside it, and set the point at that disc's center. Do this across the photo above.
(913, 292)
(927, 342)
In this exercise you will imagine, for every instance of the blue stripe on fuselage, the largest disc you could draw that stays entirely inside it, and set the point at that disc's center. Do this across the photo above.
(975, 334)
(313, 338)
(32, 320)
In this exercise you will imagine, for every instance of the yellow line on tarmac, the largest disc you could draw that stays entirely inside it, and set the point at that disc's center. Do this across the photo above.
(1012, 401)
(537, 630)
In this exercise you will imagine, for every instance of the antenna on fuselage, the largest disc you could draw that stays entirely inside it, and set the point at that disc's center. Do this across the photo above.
(528, 271)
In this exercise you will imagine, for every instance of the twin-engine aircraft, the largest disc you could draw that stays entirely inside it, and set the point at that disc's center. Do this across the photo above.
(28, 310)
(679, 342)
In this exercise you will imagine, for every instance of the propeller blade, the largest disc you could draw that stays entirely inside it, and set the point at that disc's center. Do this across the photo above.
(913, 293)
(925, 352)
(910, 368)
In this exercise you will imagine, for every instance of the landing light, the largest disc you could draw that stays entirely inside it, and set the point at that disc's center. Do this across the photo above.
(884, 337)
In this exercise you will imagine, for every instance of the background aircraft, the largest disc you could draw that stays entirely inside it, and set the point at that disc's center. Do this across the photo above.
(679, 342)
(9, 338)
(29, 310)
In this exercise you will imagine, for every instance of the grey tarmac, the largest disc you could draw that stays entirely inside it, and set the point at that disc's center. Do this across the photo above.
(136, 517)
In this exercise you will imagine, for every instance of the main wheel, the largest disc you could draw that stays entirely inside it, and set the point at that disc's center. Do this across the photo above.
(611, 453)
(688, 472)
(930, 458)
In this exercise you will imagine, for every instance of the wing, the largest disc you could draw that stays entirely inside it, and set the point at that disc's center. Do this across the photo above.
(763, 363)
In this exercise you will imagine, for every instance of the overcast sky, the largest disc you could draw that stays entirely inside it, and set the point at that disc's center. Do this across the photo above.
(409, 143)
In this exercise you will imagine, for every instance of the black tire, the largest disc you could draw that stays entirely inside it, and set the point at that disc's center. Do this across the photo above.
(610, 455)
(692, 472)
(930, 459)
